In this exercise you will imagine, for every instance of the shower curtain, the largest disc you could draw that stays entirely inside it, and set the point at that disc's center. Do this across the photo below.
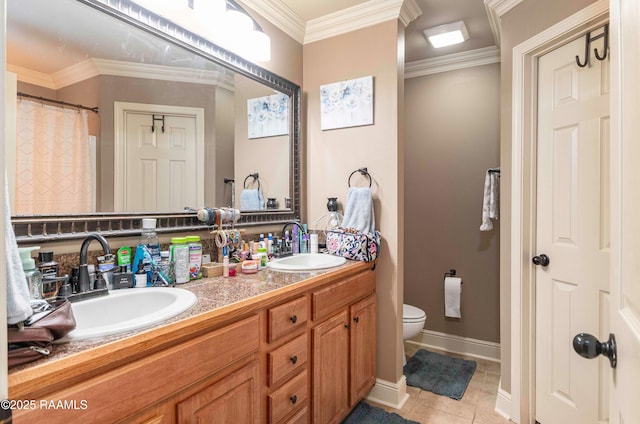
(53, 163)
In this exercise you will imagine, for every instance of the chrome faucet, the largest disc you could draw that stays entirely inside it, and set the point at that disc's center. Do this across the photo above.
(83, 271)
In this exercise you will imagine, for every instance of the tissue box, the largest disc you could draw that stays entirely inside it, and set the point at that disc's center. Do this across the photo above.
(354, 245)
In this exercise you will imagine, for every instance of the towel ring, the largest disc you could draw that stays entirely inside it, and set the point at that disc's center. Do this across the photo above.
(363, 172)
(255, 178)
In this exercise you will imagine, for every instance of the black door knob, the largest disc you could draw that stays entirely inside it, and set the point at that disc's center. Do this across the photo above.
(542, 260)
(588, 346)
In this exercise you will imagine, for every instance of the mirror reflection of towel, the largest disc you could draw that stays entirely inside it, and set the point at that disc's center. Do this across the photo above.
(18, 297)
(358, 212)
(251, 200)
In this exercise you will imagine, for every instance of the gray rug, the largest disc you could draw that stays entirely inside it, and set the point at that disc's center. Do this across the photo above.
(364, 413)
(439, 374)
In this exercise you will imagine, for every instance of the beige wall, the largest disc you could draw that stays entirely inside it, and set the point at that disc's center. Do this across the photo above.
(519, 24)
(333, 155)
(452, 137)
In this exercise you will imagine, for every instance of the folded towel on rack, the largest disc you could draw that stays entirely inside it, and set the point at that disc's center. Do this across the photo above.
(491, 200)
(251, 200)
(18, 298)
(358, 212)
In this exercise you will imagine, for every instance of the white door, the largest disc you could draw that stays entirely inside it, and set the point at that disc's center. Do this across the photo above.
(625, 246)
(160, 162)
(572, 229)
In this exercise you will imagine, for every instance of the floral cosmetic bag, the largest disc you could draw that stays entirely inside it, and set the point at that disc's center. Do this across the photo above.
(352, 244)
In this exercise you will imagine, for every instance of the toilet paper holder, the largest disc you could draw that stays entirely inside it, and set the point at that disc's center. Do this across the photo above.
(451, 273)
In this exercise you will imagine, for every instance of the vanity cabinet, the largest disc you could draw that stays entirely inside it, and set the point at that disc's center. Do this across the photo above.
(344, 347)
(305, 354)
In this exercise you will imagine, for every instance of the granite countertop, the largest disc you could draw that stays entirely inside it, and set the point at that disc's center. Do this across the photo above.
(212, 293)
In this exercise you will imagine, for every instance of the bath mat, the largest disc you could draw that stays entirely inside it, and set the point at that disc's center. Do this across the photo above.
(364, 413)
(439, 374)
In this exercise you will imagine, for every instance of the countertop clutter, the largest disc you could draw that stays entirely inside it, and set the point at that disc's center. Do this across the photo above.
(213, 293)
(263, 341)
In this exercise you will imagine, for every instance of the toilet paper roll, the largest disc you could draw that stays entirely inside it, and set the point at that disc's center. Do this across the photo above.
(452, 292)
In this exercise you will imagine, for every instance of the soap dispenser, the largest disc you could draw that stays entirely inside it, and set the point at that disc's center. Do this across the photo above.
(34, 277)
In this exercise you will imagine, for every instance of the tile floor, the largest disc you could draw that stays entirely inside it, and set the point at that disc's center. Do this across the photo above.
(476, 406)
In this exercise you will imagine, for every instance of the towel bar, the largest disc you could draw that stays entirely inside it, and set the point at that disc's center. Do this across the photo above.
(363, 172)
(255, 179)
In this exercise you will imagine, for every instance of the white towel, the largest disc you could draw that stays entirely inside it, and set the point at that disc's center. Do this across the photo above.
(491, 200)
(18, 298)
(358, 212)
(251, 200)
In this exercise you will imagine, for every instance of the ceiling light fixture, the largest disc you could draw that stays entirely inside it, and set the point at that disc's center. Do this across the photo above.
(447, 35)
(223, 22)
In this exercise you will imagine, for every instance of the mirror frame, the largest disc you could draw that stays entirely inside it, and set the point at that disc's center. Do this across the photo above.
(43, 228)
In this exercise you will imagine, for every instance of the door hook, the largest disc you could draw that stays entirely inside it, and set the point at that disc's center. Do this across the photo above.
(153, 122)
(587, 45)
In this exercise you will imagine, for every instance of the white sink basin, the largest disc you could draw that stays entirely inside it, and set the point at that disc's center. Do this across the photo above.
(306, 262)
(126, 310)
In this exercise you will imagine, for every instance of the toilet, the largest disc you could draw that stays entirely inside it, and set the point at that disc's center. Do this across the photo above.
(413, 320)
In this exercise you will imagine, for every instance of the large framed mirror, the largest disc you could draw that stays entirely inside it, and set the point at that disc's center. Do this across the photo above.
(172, 123)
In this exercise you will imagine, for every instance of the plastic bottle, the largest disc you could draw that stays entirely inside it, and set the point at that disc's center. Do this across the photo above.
(262, 252)
(195, 257)
(225, 266)
(149, 238)
(165, 264)
(270, 244)
(33, 275)
(141, 276)
(179, 256)
(314, 243)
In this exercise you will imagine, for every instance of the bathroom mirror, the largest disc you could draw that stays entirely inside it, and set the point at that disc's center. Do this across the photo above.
(141, 70)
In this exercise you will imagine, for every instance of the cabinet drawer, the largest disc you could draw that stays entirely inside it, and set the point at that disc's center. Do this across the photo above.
(340, 295)
(301, 417)
(288, 397)
(287, 317)
(287, 359)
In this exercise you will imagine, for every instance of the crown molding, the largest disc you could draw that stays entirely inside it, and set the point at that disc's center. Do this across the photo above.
(32, 77)
(93, 67)
(495, 9)
(452, 62)
(280, 15)
(360, 16)
(409, 12)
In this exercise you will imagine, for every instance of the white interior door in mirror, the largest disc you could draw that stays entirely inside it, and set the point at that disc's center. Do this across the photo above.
(163, 161)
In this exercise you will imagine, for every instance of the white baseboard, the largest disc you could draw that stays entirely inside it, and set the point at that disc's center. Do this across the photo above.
(389, 394)
(456, 344)
(503, 403)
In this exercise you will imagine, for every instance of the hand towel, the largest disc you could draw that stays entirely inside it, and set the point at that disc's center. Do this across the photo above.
(18, 298)
(358, 212)
(491, 200)
(251, 200)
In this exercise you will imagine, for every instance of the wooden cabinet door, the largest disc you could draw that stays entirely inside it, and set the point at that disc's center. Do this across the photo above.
(331, 369)
(363, 348)
(234, 399)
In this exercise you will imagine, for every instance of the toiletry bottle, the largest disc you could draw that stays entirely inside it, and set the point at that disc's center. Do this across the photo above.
(261, 243)
(124, 258)
(314, 243)
(179, 256)
(46, 265)
(295, 234)
(225, 266)
(262, 252)
(165, 264)
(270, 244)
(149, 238)
(304, 239)
(49, 270)
(33, 275)
(141, 276)
(195, 257)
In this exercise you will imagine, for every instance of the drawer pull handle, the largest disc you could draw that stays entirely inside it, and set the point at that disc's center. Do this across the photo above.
(347, 326)
(294, 319)
(293, 399)
(294, 359)
(356, 320)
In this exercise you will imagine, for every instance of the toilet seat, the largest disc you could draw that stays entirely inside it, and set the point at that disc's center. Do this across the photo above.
(412, 314)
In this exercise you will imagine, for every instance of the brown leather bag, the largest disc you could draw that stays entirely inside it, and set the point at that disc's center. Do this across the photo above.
(31, 341)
